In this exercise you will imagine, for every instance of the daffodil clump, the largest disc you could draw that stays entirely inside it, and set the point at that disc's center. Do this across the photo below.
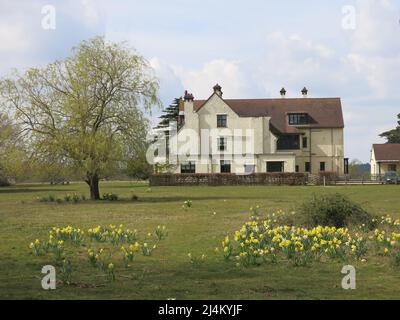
(196, 261)
(389, 221)
(102, 260)
(76, 235)
(109, 197)
(38, 247)
(75, 198)
(58, 250)
(187, 204)
(66, 271)
(130, 252)
(56, 247)
(386, 240)
(113, 234)
(99, 258)
(161, 232)
(261, 240)
(227, 247)
(147, 249)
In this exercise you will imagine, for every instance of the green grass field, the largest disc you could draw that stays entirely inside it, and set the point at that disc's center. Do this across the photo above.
(168, 272)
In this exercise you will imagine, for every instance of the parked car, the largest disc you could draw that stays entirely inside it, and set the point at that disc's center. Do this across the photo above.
(391, 177)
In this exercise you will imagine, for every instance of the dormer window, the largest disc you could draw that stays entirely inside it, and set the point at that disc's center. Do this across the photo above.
(298, 118)
(221, 120)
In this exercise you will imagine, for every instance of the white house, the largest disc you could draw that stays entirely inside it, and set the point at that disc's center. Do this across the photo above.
(384, 158)
(257, 135)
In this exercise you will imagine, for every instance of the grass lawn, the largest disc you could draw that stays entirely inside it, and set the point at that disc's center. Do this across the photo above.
(168, 272)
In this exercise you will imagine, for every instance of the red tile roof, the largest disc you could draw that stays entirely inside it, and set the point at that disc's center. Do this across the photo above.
(324, 112)
(387, 152)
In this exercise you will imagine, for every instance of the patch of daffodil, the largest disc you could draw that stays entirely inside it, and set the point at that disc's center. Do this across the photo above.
(260, 240)
(113, 234)
(196, 261)
(109, 236)
(187, 204)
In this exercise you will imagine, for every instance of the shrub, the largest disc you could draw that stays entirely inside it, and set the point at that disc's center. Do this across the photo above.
(134, 197)
(335, 210)
(4, 182)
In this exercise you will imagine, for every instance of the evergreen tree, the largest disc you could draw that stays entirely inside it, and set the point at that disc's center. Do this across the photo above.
(171, 113)
(392, 136)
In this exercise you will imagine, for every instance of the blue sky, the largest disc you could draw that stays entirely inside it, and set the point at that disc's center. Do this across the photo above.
(252, 48)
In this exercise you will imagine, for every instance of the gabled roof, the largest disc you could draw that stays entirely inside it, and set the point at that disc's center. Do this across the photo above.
(387, 152)
(323, 112)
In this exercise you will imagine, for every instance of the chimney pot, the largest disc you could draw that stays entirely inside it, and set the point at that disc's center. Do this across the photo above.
(218, 89)
(188, 96)
(304, 92)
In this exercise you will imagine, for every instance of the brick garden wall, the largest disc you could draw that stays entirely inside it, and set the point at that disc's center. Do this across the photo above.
(220, 179)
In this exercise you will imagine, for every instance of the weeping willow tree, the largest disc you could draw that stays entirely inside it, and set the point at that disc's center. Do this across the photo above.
(88, 109)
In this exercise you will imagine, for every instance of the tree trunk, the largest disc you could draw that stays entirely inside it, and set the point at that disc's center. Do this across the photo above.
(93, 182)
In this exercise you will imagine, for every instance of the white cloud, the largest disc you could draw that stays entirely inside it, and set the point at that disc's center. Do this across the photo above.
(15, 28)
(170, 84)
(294, 62)
(227, 73)
(381, 73)
(15, 38)
(90, 13)
(374, 51)
(377, 28)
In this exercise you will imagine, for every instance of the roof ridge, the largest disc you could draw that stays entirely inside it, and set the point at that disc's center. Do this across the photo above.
(325, 112)
(279, 99)
(385, 144)
(283, 99)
